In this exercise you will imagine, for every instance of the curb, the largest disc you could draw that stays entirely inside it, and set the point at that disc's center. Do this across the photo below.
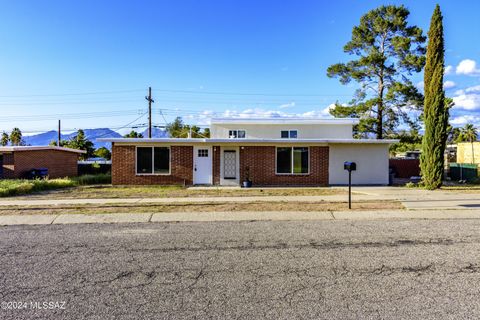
(162, 217)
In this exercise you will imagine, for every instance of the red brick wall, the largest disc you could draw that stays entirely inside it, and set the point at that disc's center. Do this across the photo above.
(261, 161)
(59, 163)
(216, 165)
(123, 167)
(8, 166)
(405, 168)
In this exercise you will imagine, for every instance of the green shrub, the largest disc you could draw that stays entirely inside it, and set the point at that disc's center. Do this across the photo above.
(22, 186)
(101, 178)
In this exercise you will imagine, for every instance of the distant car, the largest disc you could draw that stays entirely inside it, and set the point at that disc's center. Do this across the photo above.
(40, 173)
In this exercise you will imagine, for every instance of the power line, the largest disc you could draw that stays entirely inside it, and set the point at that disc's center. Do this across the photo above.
(70, 94)
(179, 91)
(254, 94)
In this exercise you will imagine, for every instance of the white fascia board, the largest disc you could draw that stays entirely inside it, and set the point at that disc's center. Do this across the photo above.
(32, 148)
(242, 141)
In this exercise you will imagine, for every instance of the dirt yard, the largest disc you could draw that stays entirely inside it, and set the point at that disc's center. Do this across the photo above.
(204, 207)
(118, 192)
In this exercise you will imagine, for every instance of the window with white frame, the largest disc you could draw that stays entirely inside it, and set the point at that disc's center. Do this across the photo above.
(153, 160)
(292, 160)
(288, 134)
(237, 134)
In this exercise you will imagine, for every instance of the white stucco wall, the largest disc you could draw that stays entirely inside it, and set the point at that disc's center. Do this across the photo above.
(272, 131)
(371, 159)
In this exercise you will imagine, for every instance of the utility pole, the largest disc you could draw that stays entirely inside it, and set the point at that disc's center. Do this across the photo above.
(59, 134)
(150, 100)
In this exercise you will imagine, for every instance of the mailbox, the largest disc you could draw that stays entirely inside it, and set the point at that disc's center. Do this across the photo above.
(350, 166)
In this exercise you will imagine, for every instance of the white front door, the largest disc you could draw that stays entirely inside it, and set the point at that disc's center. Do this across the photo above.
(202, 165)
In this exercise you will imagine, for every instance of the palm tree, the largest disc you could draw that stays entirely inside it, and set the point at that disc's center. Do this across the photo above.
(4, 139)
(16, 137)
(469, 133)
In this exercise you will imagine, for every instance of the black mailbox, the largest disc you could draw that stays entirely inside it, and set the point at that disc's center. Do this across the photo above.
(350, 166)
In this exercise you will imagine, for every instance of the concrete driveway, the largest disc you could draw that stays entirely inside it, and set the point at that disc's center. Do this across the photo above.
(419, 199)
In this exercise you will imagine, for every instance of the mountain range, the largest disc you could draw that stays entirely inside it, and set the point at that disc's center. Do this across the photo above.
(43, 139)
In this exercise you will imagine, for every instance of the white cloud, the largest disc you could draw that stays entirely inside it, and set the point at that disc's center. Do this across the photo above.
(464, 119)
(473, 89)
(287, 105)
(448, 70)
(420, 85)
(468, 67)
(448, 84)
(467, 101)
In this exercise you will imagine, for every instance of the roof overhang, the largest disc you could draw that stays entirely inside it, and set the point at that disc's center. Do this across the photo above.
(136, 141)
(34, 148)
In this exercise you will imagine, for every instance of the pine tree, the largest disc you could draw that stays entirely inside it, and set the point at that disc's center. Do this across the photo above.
(387, 51)
(435, 107)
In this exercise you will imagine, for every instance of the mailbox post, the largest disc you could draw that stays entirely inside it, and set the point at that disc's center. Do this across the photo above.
(349, 166)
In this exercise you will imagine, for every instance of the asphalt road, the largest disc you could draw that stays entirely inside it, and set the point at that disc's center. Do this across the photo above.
(242, 270)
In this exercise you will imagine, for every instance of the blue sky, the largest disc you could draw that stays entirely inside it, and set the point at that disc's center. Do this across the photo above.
(90, 62)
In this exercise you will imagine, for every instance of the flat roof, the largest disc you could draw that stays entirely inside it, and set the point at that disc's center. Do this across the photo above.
(244, 141)
(292, 121)
(32, 148)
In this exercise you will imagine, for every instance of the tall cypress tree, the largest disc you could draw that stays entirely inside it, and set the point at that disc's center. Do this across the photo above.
(435, 108)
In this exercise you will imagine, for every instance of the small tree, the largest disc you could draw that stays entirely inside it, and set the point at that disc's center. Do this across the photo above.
(103, 152)
(4, 139)
(133, 134)
(80, 142)
(178, 129)
(16, 137)
(388, 50)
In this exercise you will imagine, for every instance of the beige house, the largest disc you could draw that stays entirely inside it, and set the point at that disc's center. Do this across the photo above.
(468, 152)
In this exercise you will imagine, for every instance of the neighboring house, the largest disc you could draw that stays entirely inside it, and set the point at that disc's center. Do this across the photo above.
(17, 162)
(271, 152)
(468, 152)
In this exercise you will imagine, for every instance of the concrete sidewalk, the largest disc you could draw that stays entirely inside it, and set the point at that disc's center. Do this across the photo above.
(54, 202)
(412, 199)
(236, 216)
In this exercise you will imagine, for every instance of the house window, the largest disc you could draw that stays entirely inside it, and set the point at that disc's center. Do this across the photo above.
(292, 160)
(203, 153)
(237, 134)
(153, 160)
(288, 134)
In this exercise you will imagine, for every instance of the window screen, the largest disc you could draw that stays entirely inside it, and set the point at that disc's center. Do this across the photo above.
(300, 160)
(144, 160)
(161, 160)
(284, 160)
(293, 160)
(153, 160)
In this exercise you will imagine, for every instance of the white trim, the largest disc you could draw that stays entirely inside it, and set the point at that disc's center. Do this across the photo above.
(153, 162)
(33, 148)
(148, 141)
(289, 121)
(291, 169)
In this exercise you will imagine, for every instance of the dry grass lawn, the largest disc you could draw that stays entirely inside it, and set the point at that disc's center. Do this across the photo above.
(204, 207)
(118, 192)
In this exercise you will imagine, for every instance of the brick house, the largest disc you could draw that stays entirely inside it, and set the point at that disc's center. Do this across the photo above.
(271, 152)
(17, 161)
